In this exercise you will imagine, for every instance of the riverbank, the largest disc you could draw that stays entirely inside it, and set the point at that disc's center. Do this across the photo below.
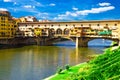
(104, 67)
(66, 73)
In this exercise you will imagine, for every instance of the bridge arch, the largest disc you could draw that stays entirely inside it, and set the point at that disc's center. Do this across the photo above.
(110, 39)
(66, 31)
(51, 32)
(59, 31)
(83, 41)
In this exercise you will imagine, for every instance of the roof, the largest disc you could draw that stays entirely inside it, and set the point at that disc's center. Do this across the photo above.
(53, 22)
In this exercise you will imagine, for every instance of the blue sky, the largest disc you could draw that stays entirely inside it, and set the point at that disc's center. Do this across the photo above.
(63, 10)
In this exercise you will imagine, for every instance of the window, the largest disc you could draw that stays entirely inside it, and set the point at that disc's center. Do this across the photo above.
(106, 24)
(51, 25)
(115, 24)
(25, 25)
(98, 24)
(73, 25)
(81, 24)
(45, 25)
(89, 25)
(66, 25)
(1, 18)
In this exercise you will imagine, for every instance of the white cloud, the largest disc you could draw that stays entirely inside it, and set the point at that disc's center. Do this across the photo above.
(7, 0)
(15, 3)
(95, 10)
(29, 6)
(104, 4)
(3, 9)
(83, 12)
(74, 8)
(24, 2)
(52, 4)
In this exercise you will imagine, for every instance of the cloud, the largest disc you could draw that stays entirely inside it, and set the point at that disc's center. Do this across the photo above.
(7, 1)
(42, 15)
(95, 10)
(74, 8)
(83, 12)
(3, 9)
(24, 2)
(52, 4)
(15, 3)
(28, 6)
(104, 4)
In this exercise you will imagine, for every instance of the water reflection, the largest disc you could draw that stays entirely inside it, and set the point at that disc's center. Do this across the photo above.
(36, 63)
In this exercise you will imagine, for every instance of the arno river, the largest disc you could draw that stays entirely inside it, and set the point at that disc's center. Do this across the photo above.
(39, 62)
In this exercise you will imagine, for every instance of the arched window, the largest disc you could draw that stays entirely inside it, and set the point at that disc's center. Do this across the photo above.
(51, 32)
(58, 31)
(66, 31)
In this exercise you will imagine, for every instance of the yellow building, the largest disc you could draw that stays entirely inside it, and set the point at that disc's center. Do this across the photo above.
(38, 32)
(7, 29)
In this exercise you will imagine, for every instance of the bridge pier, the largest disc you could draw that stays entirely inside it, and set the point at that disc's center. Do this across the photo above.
(81, 42)
(77, 42)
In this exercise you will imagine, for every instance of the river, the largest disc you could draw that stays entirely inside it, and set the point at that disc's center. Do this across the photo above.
(39, 62)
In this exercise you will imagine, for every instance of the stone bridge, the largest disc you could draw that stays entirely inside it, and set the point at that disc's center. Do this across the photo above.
(81, 32)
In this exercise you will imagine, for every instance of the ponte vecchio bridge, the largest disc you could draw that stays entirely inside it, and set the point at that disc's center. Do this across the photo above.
(80, 32)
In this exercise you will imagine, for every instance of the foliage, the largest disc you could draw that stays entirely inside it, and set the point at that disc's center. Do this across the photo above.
(67, 67)
(103, 67)
(65, 73)
(59, 70)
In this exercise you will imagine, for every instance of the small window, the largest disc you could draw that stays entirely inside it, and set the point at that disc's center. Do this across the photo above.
(59, 25)
(115, 24)
(98, 24)
(38, 25)
(73, 25)
(106, 24)
(45, 25)
(66, 25)
(89, 25)
(81, 24)
(32, 25)
(26, 25)
(51, 25)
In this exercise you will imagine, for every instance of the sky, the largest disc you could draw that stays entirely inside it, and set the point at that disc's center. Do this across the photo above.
(63, 10)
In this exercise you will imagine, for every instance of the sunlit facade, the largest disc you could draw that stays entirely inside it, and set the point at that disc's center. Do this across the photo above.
(78, 28)
(7, 25)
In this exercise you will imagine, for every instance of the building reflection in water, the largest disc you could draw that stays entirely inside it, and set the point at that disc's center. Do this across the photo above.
(36, 63)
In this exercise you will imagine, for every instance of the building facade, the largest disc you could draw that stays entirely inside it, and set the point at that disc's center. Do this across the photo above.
(7, 25)
(80, 28)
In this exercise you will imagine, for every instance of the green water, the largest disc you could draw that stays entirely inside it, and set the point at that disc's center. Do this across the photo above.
(37, 63)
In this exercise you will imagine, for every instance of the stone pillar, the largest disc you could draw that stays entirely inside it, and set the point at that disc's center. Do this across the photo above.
(38, 41)
(77, 42)
(83, 42)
